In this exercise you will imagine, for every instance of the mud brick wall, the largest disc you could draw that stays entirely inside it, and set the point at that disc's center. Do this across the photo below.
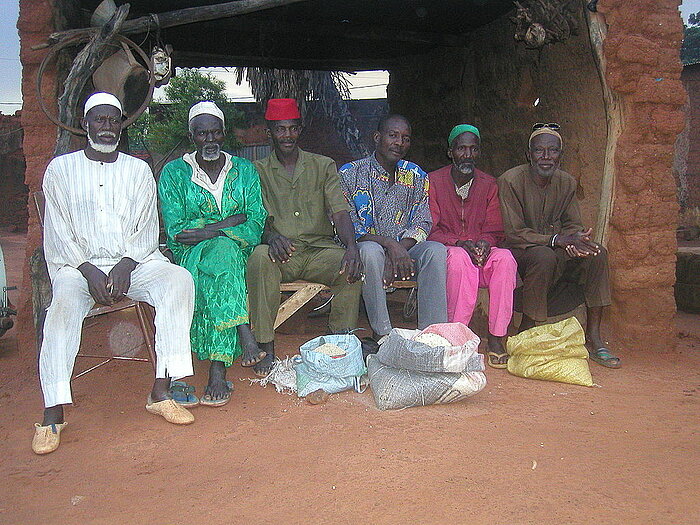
(644, 69)
(36, 22)
(494, 84)
(13, 213)
(691, 166)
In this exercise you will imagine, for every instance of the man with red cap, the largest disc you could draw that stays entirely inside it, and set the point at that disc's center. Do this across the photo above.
(301, 190)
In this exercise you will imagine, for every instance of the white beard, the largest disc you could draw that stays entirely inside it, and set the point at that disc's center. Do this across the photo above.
(209, 157)
(465, 168)
(102, 148)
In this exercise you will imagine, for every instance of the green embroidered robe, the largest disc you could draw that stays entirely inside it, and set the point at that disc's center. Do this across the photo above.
(217, 265)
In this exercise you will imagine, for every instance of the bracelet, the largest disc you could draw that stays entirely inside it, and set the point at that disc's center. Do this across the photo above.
(553, 241)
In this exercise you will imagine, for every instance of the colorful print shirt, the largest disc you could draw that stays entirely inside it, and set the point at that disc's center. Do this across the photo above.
(398, 211)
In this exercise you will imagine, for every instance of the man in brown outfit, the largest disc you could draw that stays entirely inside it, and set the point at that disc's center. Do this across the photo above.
(544, 232)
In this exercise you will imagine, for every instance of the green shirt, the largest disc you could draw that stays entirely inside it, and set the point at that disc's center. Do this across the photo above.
(299, 205)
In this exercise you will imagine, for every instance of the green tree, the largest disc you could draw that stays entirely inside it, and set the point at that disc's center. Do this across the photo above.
(690, 51)
(164, 126)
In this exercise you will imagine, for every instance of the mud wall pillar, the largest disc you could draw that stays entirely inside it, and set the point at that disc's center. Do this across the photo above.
(642, 51)
(36, 22)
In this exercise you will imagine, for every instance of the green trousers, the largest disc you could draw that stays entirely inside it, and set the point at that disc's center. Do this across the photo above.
(318, 265)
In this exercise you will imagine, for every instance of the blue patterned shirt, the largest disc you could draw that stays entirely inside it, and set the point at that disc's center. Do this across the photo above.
(397, 211)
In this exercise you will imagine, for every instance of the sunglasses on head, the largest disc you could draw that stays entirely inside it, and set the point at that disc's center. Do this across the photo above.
(551, 125)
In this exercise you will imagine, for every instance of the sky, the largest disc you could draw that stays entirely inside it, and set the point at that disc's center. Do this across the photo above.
(366, 84)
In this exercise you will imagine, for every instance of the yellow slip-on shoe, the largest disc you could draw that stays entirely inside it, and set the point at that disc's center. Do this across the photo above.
(47, 438)
(170, 411)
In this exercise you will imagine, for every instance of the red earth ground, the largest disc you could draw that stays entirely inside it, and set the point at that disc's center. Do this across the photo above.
(521, 451)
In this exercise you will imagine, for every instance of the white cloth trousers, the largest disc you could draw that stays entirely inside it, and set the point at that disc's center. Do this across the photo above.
(165, 286)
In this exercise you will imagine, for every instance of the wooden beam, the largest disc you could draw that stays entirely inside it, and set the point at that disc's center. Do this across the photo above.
(597, 30)
(179, 17)
(195, 59)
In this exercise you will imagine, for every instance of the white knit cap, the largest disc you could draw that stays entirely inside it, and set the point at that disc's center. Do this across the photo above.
(98, 99)
(206, 107)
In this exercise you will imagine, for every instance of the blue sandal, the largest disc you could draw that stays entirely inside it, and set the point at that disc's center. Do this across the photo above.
(604, 357)
(182, 394)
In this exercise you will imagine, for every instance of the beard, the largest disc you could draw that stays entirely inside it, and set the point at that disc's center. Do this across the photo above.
(104, 148)
(466, 167)
(212, 154)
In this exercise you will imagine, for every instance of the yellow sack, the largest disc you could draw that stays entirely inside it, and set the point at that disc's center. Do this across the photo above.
(551, 352)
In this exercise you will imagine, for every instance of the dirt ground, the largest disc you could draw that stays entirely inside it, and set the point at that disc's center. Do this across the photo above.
(521, 451)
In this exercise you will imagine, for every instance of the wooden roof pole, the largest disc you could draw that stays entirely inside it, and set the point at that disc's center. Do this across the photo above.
(189, 15)
(597, 29)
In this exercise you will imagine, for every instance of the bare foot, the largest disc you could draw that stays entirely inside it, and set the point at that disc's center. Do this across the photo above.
(264, 367)
(217, 388)
(252, 354)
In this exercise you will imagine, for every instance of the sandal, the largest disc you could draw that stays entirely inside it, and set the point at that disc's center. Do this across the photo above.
(207, 401)
(604, 357)
(182, 394)
(493, 359)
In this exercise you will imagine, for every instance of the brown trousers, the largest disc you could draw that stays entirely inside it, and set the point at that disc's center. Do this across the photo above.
(540, 268)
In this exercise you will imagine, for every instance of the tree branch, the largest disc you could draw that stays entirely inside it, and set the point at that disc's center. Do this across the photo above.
(84, 65)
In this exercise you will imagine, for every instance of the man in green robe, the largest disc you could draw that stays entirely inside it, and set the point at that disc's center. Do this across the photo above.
(213, 213)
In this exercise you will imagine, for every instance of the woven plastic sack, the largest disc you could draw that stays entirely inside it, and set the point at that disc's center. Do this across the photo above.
(551, 352)
(395, 388)
(399, 350)
(319, 371)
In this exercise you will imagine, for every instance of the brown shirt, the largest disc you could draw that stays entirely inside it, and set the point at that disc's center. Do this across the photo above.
(532, 214)
(298, 204)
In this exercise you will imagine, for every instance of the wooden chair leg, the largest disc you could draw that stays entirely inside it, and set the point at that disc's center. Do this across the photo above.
(296, 301)
(145, 315)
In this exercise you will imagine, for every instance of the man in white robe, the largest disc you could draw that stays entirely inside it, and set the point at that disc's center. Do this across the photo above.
(101, 244)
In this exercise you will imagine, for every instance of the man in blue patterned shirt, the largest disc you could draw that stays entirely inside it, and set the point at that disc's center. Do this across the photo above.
(389, 208)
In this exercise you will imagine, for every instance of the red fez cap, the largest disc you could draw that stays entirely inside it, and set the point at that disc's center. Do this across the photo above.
(282, 109)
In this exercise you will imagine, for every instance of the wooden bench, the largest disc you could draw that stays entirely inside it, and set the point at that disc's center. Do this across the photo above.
(304, 291)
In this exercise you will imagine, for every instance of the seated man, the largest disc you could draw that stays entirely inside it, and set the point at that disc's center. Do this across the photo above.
(300, 190)
(544, 231)
(101, 244)
(392, 221)
(467, 219)
(213, 214)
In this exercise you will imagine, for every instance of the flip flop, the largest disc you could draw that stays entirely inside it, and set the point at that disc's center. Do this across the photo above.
(182, 394)
(605, 358)
(496, 356)
(207, 401)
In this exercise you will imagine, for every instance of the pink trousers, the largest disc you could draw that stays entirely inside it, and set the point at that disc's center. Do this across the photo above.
(464, 279)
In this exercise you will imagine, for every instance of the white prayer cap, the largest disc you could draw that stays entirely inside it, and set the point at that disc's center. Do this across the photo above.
(98, 99)
(206, 107)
